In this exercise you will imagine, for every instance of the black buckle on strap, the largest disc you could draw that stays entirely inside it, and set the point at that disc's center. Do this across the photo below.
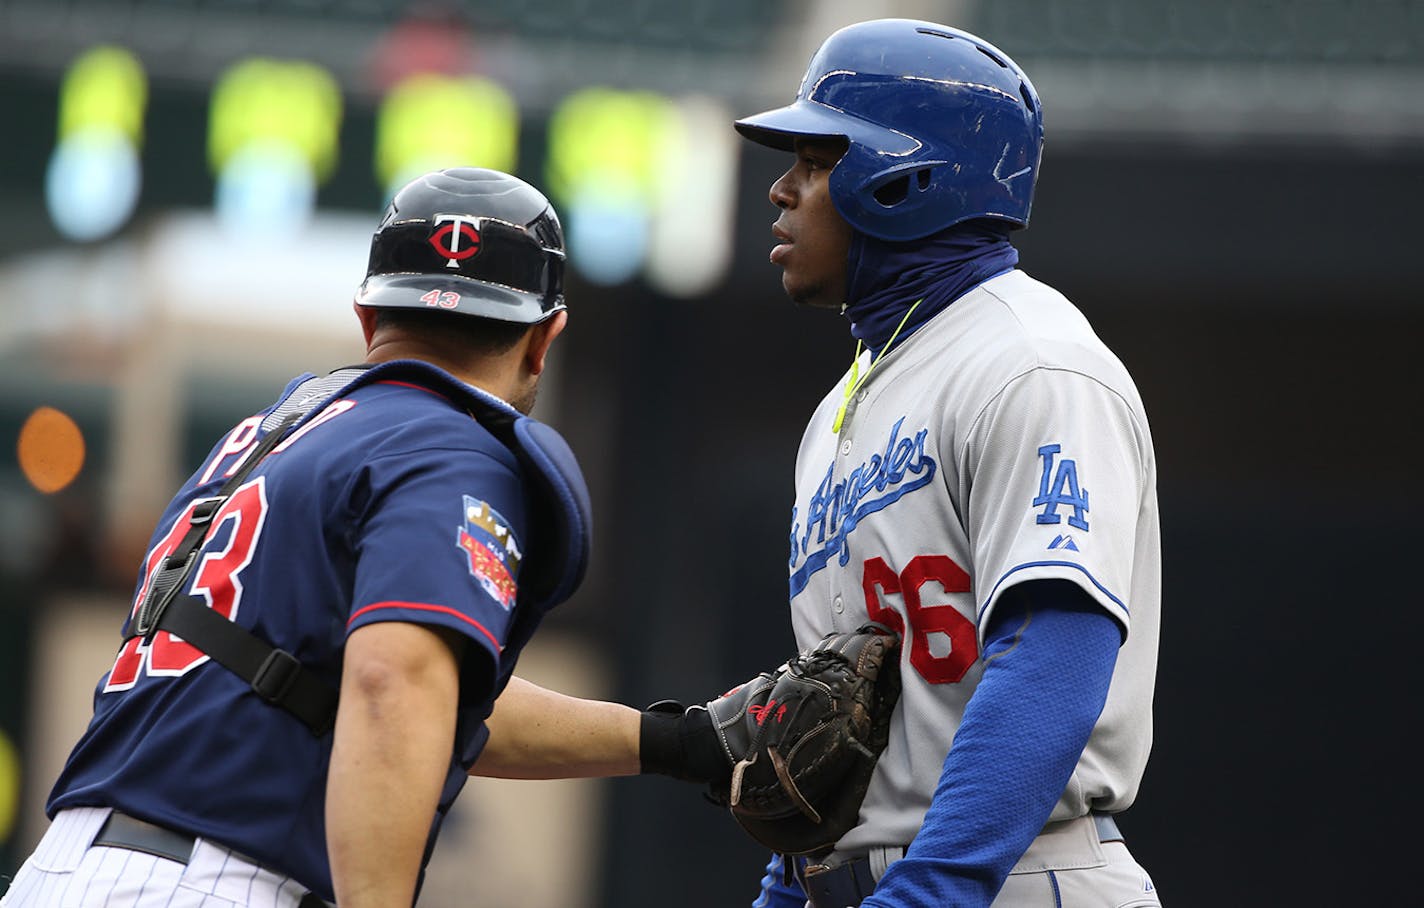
(161, 591)
(276, 675)
(205, 510)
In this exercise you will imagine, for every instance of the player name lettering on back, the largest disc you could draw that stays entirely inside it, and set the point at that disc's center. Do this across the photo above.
(238, 441)
(243, 438)
(838, 506)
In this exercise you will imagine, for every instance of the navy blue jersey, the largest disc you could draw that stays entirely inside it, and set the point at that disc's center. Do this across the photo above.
(390, 503)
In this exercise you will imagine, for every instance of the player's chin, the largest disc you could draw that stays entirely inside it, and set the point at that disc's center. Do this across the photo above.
(811, 295)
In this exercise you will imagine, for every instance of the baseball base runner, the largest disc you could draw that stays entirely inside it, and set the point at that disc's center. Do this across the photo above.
(982, 480)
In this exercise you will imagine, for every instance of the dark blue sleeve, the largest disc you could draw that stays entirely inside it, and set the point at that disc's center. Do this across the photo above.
(439, 543)
(1049, 656)
(775, 891)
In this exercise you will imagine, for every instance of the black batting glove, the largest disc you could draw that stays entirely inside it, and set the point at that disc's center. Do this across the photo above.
(681, 742)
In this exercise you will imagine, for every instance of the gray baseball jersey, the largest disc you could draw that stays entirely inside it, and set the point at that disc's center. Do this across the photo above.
(1001, 442)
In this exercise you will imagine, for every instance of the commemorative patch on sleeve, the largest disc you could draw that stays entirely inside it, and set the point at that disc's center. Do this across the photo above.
(493, 551)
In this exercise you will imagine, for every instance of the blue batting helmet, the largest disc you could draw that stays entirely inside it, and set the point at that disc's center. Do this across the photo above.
(942, 125)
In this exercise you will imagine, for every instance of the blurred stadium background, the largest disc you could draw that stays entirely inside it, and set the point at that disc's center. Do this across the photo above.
(1231, 193)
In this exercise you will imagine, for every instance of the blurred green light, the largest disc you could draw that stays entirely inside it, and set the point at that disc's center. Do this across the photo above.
(105, 87)
(266, 102)
(603, 170)
(429, 122)
(11, 771)
(606, 141)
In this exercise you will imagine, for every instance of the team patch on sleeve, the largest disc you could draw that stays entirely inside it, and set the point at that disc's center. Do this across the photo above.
(493, 551)
(1059, 488)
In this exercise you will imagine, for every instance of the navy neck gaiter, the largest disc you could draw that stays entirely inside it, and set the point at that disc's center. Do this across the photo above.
(885, 279)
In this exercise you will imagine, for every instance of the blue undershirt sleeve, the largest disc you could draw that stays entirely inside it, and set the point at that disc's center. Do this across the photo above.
(1049, 655)
(775, 891)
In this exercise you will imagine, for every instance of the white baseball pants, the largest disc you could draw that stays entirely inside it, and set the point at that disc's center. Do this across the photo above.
(67, 871)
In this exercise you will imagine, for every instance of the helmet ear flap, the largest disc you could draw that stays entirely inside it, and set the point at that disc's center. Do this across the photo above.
(892, 202)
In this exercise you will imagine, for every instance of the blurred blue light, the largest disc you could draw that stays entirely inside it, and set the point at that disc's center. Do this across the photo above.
(267, 189)
(92, 183)
(608, 239)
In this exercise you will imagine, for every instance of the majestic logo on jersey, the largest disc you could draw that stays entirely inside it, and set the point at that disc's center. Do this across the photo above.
(1060, 488)
(457, 240)
(493, 551)
(838, 506)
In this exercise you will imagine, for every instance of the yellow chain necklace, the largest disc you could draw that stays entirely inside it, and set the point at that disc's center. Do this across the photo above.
(855, 380)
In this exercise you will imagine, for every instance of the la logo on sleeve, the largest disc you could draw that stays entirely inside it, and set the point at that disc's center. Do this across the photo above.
(1058, 487)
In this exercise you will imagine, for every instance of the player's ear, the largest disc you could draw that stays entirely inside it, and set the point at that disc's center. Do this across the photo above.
(367, 317)
(541, 338)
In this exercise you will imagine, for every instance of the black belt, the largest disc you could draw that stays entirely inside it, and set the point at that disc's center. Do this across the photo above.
(847, 883)
(123, 831)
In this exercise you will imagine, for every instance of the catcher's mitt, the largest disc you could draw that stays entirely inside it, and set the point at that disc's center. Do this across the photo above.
(803, 740)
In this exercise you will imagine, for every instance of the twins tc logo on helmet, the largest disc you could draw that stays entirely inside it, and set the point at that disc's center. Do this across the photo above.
(456, 237)
(492, 549)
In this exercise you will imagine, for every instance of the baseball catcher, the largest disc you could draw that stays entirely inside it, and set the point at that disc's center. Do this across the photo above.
(801, 740)
(339, 593)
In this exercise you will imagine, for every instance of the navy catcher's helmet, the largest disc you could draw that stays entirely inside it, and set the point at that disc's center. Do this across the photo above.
(468, 240)
(942, 125)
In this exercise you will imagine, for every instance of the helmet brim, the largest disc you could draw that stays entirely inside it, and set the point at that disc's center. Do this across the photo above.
(455, 294)
(802, 119)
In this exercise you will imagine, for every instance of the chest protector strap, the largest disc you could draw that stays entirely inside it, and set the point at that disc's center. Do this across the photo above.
(274, 674)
